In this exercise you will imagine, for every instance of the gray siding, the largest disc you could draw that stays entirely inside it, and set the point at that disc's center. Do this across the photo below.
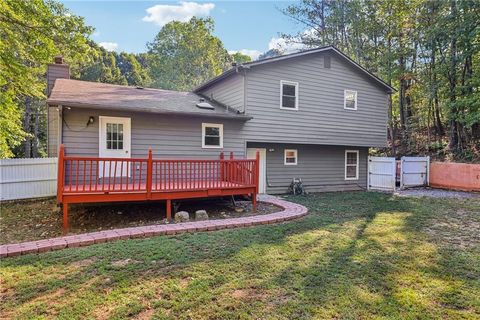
(321, 118)
(229, 92)
(321, 168)
(168, 136)
(53, 134)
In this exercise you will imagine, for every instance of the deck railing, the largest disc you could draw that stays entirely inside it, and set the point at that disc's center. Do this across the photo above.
(82, 175)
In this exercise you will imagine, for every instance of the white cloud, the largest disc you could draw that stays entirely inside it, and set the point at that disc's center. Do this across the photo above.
(254, 54)
(110, 46)
(96, 34)
(162, 14)
(291, 45)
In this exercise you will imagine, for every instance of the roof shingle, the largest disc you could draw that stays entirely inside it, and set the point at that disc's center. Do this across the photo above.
(87, 94)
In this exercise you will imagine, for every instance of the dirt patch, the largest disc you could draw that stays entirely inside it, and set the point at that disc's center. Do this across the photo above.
(460, 229)
(41, 219)
(145, 314)
(83, 263)
(249, 294)
(123, 263)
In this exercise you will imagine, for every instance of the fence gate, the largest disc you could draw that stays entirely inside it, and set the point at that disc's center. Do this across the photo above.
(381, 173)
(414, 171)
(28, 178)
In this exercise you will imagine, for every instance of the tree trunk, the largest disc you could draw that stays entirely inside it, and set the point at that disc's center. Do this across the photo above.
(452, 78)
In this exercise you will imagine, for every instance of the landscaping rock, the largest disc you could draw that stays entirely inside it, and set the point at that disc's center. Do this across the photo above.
(182, 216)
(201, 215)
(239, 209)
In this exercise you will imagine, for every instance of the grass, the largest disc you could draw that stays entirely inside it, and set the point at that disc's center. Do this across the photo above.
(355, 256)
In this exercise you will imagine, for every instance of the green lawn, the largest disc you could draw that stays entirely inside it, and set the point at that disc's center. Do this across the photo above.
(356, 255)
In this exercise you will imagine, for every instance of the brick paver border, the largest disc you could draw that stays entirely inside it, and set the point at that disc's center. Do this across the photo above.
(290, 211)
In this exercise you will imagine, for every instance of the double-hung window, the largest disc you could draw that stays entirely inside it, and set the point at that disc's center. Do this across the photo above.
(288, 95)
(350, 100)
(351, 164)
(212, 135)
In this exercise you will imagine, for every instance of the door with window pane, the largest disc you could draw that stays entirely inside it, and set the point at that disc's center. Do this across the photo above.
(114, 142)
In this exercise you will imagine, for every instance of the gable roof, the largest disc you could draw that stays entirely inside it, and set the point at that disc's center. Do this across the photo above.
(88, 94)
(248, 65)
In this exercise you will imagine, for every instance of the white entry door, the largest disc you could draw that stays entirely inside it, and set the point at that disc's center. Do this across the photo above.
(262, 181)
(114, 142)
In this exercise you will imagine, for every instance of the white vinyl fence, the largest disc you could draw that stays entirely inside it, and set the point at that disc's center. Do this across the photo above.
(28, 178)
(381, 173)
(414, 172)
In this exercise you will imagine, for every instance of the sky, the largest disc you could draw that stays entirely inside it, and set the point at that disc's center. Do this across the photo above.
(251, 27)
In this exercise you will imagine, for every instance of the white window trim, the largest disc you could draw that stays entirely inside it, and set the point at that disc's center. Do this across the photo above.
(282, 82)
(213, 125)
(357, 166)
(285, 157)
(345, 99)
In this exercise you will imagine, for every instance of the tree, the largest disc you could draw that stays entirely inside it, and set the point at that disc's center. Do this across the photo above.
(132, 70)
(31, 34)
(240, 58)
(185, 54)
(429, 50)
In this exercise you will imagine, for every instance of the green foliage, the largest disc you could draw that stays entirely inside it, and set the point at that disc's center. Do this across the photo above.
(240, 58)
(31, 34)
(428, 50)
(185, 54)
(106, 66)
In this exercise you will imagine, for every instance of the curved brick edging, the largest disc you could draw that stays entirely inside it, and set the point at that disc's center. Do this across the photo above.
(291, 211)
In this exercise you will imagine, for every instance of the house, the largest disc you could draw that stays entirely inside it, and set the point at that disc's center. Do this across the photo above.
(311, 115)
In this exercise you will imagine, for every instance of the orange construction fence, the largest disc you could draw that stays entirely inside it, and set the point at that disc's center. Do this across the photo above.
(456, 176)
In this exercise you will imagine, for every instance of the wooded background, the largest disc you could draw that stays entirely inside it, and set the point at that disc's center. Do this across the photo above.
(428, 50)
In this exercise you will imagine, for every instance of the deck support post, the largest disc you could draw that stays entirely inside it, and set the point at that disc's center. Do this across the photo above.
(60, 174)
(169, 210)
(65, 218)
(257, 177)
(149, 174)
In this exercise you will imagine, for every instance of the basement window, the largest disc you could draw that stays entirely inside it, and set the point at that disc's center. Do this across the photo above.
(291, 157)
(288, 95)
(351, 164)
(212, 135)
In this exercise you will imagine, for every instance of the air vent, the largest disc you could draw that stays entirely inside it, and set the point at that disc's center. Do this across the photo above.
(205, 105)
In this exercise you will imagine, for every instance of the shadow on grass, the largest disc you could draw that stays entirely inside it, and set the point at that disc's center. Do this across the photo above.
(355, 255)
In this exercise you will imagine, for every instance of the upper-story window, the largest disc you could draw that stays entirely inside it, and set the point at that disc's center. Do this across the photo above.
(212, 135)
(288, 95)
(350, 100)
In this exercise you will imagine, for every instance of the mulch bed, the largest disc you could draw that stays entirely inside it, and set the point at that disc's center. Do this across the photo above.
(41, 219)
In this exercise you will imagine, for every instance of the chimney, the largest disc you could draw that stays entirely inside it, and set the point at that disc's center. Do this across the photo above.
(57, 70)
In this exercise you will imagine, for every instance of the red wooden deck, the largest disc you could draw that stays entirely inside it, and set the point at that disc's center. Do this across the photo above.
(82, 179)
